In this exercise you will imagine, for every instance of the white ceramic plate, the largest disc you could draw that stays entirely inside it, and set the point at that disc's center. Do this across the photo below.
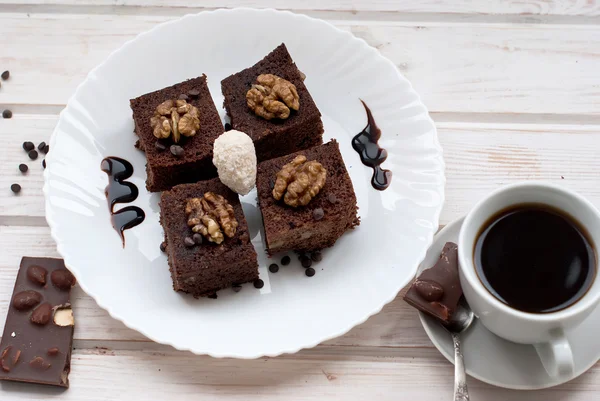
(502, 363)
(357, 277)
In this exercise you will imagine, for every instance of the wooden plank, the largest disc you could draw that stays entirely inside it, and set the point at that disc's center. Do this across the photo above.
(397, 326)
(493, 7)
(456, 67)
(321, 374)
(479, 158)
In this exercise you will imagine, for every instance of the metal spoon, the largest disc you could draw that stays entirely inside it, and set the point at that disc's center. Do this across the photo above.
(462, 318)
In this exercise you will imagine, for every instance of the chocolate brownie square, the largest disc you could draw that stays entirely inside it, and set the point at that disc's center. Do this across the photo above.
(164, 169)
(273, 138)
(303, 229)
(203, 269)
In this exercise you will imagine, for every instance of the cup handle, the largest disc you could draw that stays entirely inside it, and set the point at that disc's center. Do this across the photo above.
(556, 355)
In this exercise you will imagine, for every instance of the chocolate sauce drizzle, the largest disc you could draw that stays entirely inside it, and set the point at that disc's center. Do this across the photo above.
(120, 191)
(371, 154)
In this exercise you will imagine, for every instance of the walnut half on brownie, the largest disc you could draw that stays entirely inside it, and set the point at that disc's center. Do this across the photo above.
(306, 199)
(177, 127)
(208, 243)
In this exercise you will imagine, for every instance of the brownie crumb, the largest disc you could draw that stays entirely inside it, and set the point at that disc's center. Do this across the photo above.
(305, 261)
(213, 296)
(316, 256)
(163, 246)
(7, 113)
(16, 188)
(286, 260)
(259, 284)
(33, 154)
(236, 287)
(273, 267)
(5, 75)
(310, 272)
(23, 168)
(27, 146)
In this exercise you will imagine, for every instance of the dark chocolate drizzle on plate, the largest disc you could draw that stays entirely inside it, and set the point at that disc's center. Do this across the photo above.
(120, 191)
(371, 154)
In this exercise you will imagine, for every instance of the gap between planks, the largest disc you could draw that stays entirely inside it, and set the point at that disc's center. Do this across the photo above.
(363, 17)
(441, 119)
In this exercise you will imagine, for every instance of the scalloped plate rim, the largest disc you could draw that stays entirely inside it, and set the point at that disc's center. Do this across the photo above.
(60, 245)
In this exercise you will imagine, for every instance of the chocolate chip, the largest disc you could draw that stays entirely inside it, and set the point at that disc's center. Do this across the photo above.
(258, 283)
(183, 96)
(26, 300)
(41, 315)
(46, 149)
(213, 296)
(309, 272)
(39, 363)
(236, 287)
(306, 262)
(194, 93)
(62, 279)
(7, 113)
(316, 256)
(23, 168)
(163, 246)
(53, 351)
(33, 154)
(160, 146)
(5, 75)
(27, 146)
(44, 163)
(332, 198)
(189, 242)
(228, 127)
(430, 291)
(318, 214)
(37, 275)
(197, 239)
(273, 267)
(285, 260)
(41, 146)
(176, 150)
(16, 188)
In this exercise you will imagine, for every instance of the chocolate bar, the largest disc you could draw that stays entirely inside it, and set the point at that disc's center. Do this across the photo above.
(437, 290)
(38, 334)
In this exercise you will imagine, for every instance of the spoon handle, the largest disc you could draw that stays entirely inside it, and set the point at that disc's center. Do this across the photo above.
(461, 392)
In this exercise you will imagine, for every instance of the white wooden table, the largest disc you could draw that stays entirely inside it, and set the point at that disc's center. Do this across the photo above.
(514, 88)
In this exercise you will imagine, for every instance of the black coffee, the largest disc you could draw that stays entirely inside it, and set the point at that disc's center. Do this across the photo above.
(535, 259)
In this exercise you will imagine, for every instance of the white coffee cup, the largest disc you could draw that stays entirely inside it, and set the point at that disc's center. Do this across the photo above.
(544, 330)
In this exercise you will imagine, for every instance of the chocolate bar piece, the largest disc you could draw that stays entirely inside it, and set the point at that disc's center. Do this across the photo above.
(437, 290)
(38, 334)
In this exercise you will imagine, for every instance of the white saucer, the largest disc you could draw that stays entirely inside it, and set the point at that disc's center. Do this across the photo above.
(499, 362)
